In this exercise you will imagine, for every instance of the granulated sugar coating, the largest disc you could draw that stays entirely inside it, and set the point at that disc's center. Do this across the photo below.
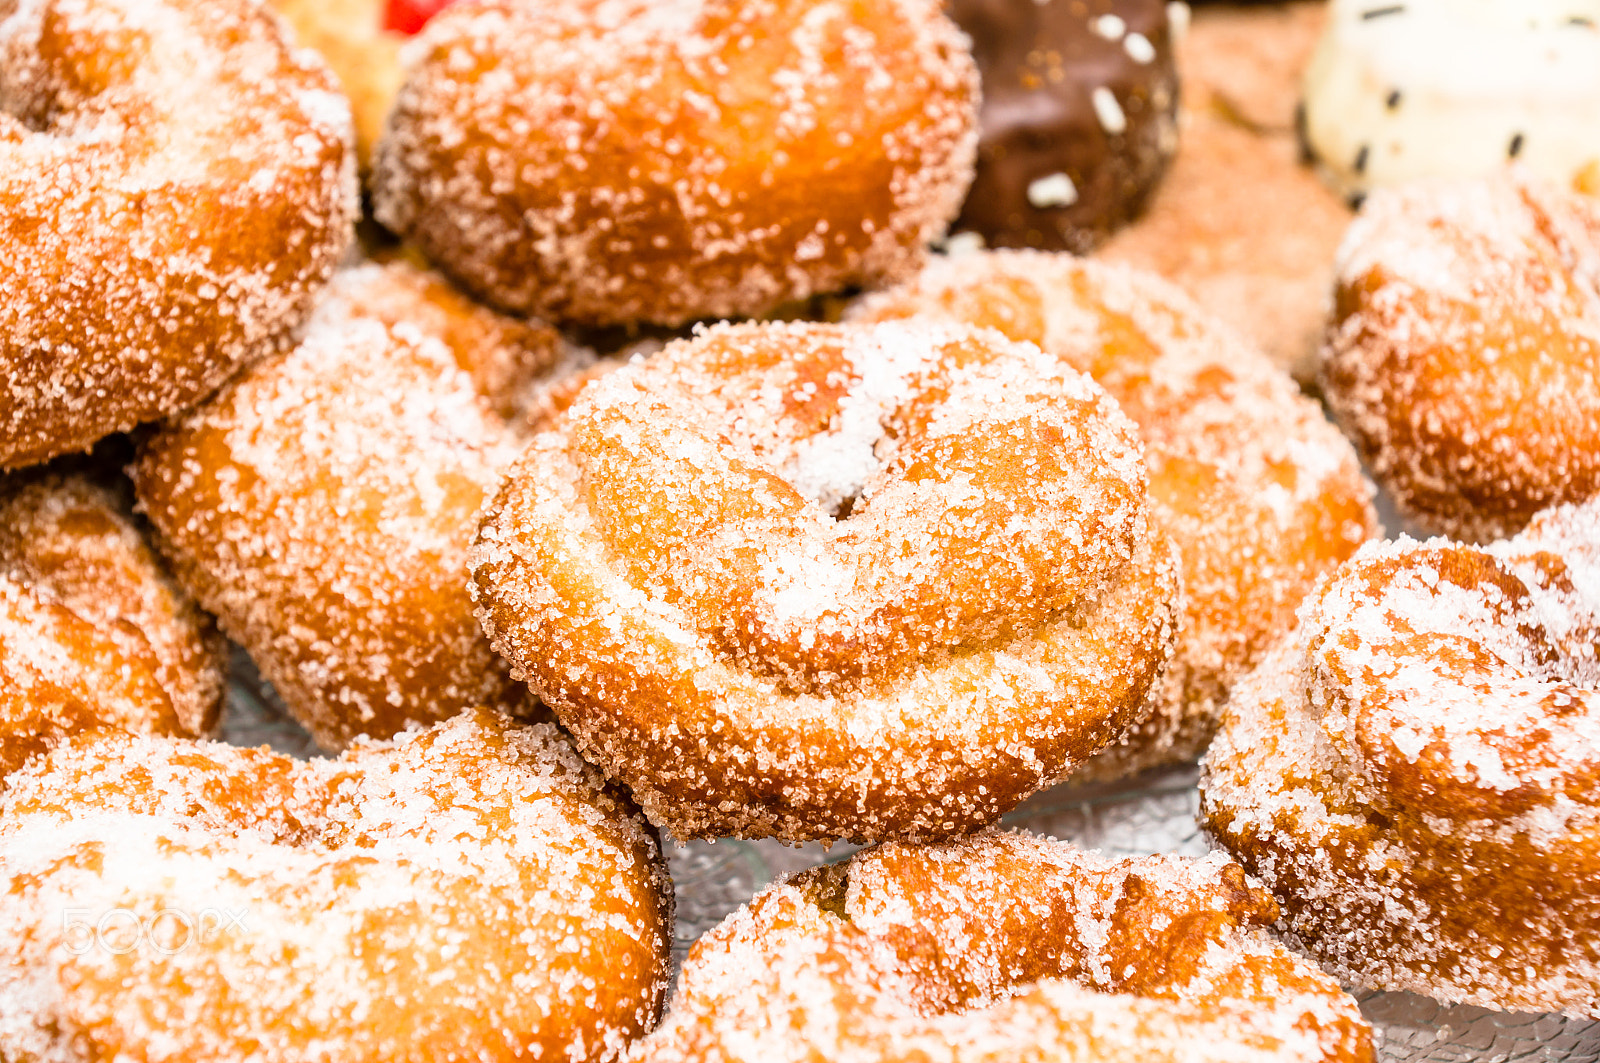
(612, 161)
(999, 948)
(1414, 773)
(322, 504)
(821, 581)
(1258, 492)
(92, 632)
(470, 893)
(1464, 354)
(175, 185)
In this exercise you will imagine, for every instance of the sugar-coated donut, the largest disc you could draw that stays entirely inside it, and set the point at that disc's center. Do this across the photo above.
(93, 633)
(1005, 947)
(1416, 773)
(176, 184)
(824, 581)
(1258, 492)
(322, 504)
(1463, 357)
(1079, 117)
(1446, 88)
(473, 892)
(611, 161)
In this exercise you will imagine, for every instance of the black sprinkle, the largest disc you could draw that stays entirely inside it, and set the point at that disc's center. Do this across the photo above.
(1394, 99)
(1301, 138)
(1356, 199)
(1516, 146)
(1379, 12)
(1361, 159)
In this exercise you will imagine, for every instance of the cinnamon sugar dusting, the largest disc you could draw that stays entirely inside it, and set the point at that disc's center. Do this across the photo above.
(1436, 720)
(1004, 947)
(470, 892)
(821, 581)
(611, 161)
(175, 185)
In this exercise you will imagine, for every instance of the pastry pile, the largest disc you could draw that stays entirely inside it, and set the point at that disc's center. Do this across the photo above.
(605, 417)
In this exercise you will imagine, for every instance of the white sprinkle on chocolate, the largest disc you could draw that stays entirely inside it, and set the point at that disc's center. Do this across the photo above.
(1057, 190)
(960, 245)
(1108, 111)
(1111, 27)
(1139, 48)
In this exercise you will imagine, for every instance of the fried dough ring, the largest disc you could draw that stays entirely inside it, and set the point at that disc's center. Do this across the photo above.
(322, 504)
(606, 162)
(667, 571)
(1004, 947)
(470, 892)
(1414, 774)
(1464, 353)
(1258, 493)
(93, 633)
(175, 186)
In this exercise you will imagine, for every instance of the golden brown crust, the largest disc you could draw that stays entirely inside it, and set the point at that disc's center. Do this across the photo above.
(322, 504)
(1414, 773)
(665, 161)
(1241, 223)
(1259, 494)
(1464, 352)
(1004, 947)
(818, 581)
(364, 56)
(473, 892)
(175, 186)
(92, 632)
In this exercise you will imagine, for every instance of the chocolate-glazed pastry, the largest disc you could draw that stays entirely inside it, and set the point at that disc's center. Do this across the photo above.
(1079, 117)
